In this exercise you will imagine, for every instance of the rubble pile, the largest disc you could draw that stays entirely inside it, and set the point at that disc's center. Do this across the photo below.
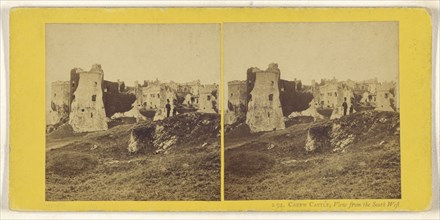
(339, 134)
(189, 128)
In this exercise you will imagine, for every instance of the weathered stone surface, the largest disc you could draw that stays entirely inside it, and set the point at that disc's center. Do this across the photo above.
(237, 102)
(160, 136)
(208, 99)
(134, 113)
(59, 106)
(343, 93)
(384, 97)
(264, 106)
(339, 134)
(87, 108)
(311, 111)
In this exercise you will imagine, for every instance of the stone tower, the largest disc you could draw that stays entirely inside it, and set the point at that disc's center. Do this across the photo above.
(87, 108)
(264, 106)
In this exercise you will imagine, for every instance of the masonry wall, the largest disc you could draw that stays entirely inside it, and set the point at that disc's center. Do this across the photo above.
(151, 96)
(328, 95)
(343, 93)
(208, 98)
(384, 97)
(87, 108)
(237, 102)
(74, 80)
(264, 106)
(166, 93)
(60, 101)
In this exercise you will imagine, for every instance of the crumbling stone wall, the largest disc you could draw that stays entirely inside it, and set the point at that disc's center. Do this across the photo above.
(74, 80)
(208, 98)
(237, 102)
(166, 93)
(343, 93)
(328, 95)
(264, 106)
(384, 97)
(87, 108)
(151, 96)
(60, 102)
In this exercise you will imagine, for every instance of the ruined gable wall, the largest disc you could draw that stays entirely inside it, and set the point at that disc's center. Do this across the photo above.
(384, 97)
(138, 94)
(150, 97)
(74, 80)
(166, 93)
(60, 101)
(343, 92)
(328, 95)
(264, 108)
(237, 96)
(207, 97)
(87, 109)
(251, 75)
(237, 102)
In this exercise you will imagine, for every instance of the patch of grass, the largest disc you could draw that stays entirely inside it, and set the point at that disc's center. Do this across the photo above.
(367, 169)
(248, 163)
(71, 164)
(188, 172)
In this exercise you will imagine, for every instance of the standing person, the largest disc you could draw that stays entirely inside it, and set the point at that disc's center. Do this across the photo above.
(345, 106)
(351, 108)
(168, 107)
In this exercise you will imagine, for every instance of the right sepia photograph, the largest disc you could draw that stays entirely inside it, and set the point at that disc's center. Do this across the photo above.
(311, 111)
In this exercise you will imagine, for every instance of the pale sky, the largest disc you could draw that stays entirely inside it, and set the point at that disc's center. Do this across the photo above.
(306, 51)
(129, 52)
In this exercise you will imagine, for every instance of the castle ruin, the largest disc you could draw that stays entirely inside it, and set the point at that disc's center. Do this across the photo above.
(87, 112)
(264, 101)
(237, 102)
(60, 102)
(264, 112)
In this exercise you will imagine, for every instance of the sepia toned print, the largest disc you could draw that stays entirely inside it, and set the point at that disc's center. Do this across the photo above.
(312, 111)
(132, 112)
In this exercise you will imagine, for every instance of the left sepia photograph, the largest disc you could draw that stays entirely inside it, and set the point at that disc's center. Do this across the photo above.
(132, 112)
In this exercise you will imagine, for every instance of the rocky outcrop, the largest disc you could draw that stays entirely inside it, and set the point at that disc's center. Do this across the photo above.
(339, 134)
(133, 113)
(160, 136)
(311, 112)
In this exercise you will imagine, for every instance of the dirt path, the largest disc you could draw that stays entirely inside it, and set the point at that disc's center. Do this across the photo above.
(264, 137)
(58, 143)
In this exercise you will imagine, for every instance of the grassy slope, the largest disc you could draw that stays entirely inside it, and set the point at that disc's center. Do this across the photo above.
(365, 170)
(79, 172)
